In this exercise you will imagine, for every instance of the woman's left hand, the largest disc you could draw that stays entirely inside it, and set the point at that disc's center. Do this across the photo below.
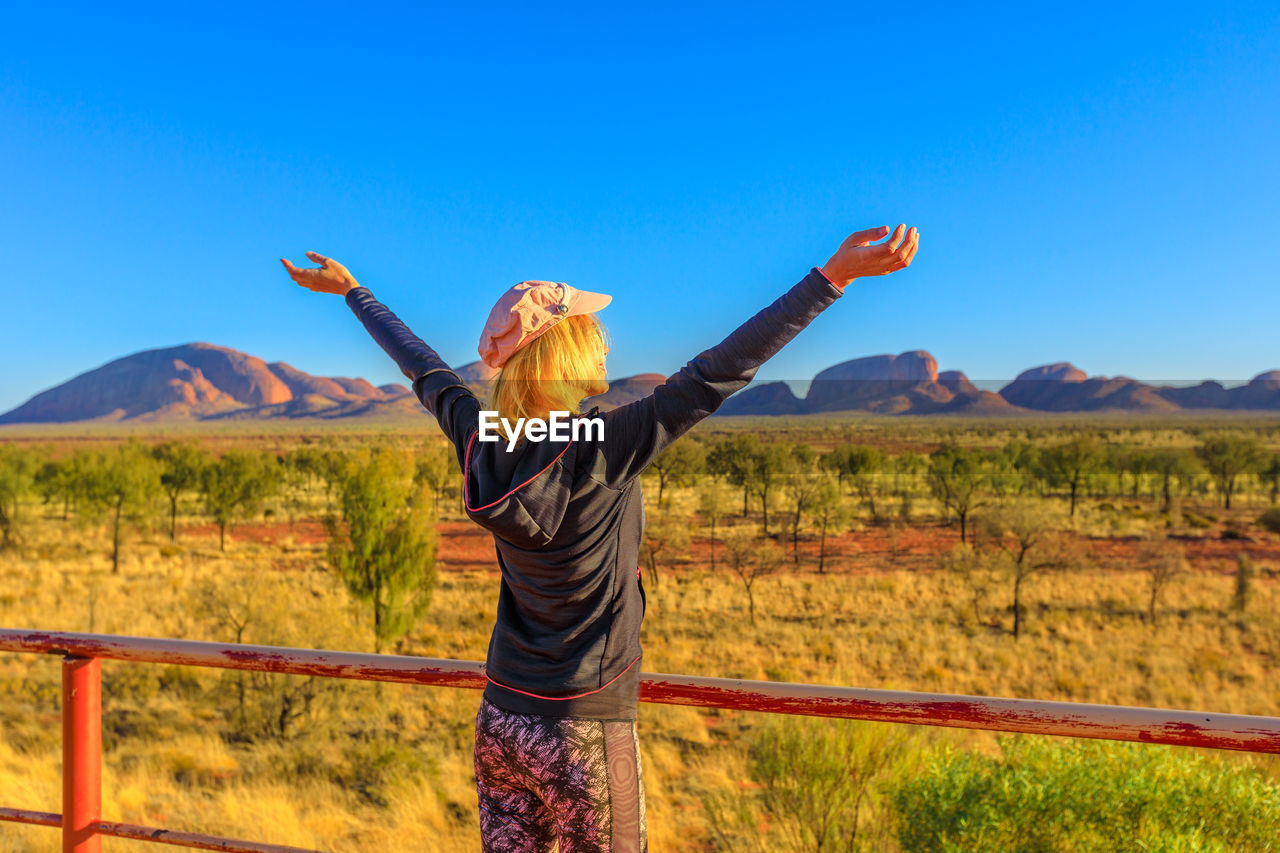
(332, 277)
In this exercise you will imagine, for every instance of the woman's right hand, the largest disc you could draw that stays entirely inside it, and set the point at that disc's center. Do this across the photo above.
(332, 277)
(856, 259)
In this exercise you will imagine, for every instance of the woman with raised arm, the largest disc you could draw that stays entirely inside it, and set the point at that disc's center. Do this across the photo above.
(556, 752)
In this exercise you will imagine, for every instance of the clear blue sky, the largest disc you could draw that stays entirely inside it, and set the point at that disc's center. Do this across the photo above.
(1093, 182)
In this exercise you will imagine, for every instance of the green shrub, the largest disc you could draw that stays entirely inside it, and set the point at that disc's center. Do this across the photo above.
(1270, 520)
(1054, 795)
(373, 768)
(816, 782)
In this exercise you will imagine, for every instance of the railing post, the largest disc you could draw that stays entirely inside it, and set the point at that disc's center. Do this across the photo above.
(81, 754)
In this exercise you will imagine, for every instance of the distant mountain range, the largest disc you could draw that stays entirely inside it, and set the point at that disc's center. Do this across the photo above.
(206, 382)
(909, 383)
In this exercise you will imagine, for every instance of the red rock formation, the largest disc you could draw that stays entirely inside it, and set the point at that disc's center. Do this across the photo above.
(361, 388)
(769, 398)
(1262, 392)
(956, 382)
(192, 381)
(875, 383)
(301, 384)
(1064, 388)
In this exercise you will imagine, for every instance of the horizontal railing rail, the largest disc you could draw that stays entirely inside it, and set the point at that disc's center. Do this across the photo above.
(82, 728)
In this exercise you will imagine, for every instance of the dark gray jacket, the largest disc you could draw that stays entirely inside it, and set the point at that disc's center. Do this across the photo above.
(567, 516)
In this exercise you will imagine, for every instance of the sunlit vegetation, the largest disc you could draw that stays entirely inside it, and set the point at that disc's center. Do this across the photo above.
(1116, 563)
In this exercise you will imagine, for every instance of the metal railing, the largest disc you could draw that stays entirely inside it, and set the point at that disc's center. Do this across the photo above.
(83, 826)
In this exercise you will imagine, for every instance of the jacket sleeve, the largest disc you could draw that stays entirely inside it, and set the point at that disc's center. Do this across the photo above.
(635, 434)
(440, 390)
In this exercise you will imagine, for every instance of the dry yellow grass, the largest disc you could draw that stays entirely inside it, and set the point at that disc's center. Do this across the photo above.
(168, 762)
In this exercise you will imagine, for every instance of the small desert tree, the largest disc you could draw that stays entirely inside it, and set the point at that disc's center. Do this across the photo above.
(1024, 537)
(735, 460)
(437, 467)
(385, 550)
(1118, 460)
(324, 462)
(713, 506)
(665, 532)
(1269, 474)
(268, 705)
(182, 463)
(768, 473)
(956, 477)
(1228, 458)
(829, 513)
(751, 558)
(65, 480)
(236, 486)
(906, 467)
(1009, 468)
(121, 484)
(1171, 466)
(801, 491)
(17, 479)
(232, 608)
(860, 467)
(1071, 464)
(678, 465)
(311, 463)
(1164, 562)
(969, 565)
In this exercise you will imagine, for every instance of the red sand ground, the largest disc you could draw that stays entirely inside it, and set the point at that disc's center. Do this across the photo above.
(465, 546)
(302, 532)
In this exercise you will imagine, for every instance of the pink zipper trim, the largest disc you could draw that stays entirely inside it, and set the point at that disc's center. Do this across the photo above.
(564, 698)
(466, 474)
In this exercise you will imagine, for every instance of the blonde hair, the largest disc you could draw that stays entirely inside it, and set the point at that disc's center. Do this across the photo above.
(553, 372)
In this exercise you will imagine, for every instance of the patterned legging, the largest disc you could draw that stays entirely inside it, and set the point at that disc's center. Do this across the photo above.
(540, 779)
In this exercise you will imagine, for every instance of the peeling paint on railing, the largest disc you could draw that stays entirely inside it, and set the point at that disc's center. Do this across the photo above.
(1031, 716)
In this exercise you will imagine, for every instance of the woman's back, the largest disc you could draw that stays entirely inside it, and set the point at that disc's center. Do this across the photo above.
(566, 633)
(568, 516)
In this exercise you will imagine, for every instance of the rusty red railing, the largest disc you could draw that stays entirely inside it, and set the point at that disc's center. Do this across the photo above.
(83, 826)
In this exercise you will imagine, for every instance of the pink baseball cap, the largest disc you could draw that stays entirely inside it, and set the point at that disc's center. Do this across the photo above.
(526, 311)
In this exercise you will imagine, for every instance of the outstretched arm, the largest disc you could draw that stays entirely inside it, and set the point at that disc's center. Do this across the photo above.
(436, 385)
(635, 434)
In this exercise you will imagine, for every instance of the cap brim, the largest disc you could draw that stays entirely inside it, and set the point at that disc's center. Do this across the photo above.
(586, 302)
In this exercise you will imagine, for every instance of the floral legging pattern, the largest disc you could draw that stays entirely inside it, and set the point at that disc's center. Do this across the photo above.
(543, 779)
